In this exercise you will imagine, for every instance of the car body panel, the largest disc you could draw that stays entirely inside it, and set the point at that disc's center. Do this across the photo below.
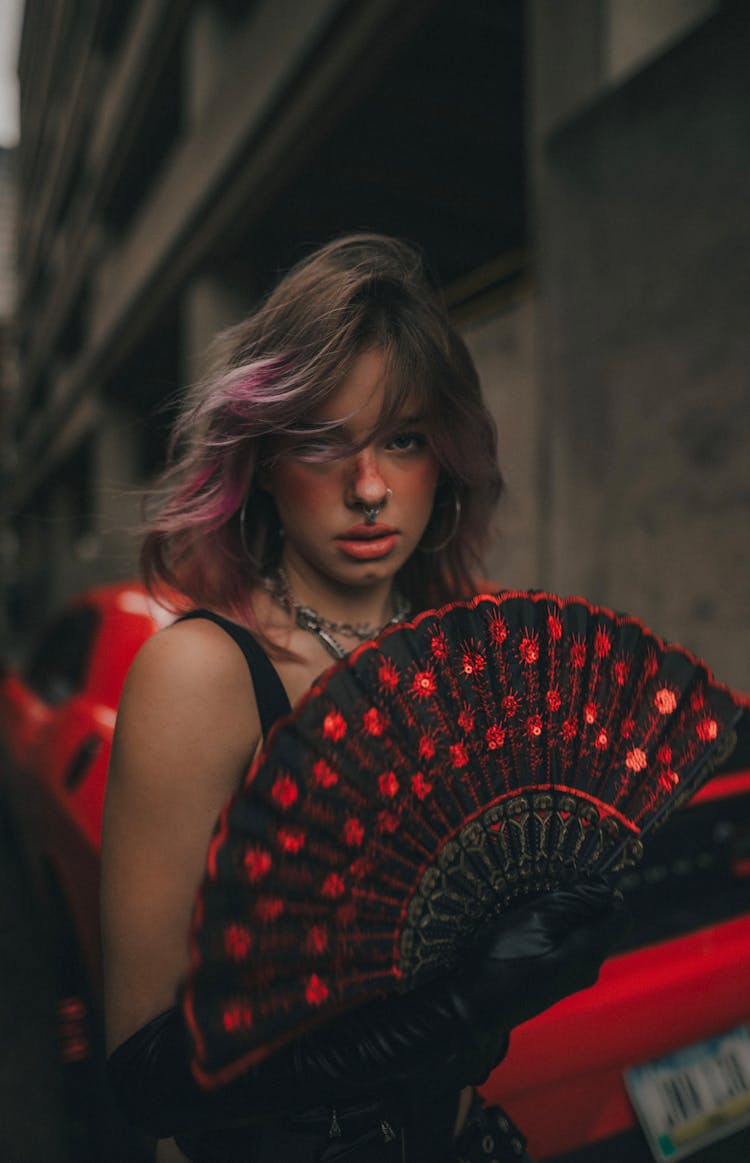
(57, 751)
(569, 1062)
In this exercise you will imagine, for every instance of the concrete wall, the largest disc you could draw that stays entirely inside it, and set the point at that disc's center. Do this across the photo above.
(503, 350)
(645, 284)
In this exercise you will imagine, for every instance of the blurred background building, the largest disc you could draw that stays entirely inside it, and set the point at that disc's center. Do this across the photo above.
(8, 369)
(577, 172)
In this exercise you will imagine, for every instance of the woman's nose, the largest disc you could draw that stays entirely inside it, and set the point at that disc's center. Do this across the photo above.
(368, 485)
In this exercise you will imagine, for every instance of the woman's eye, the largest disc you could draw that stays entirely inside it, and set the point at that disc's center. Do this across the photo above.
(321, 447)
(407, 441)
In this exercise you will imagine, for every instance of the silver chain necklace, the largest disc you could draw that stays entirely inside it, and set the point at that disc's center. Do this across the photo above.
(324, 628)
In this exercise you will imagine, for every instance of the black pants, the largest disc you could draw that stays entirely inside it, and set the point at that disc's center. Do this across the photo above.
(418, 1129)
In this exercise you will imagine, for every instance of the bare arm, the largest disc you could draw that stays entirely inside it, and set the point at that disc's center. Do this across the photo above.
(186, 729)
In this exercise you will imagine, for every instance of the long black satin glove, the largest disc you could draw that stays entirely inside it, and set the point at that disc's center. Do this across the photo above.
(537, 954)
(454, 1029)
(364, 1053)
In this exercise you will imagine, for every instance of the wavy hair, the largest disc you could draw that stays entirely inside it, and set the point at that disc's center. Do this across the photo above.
(272, 371)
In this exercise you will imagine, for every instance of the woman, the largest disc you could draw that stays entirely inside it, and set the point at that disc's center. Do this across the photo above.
(335, 475)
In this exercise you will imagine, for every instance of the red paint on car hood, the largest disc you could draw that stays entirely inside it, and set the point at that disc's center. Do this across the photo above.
(562, 1078)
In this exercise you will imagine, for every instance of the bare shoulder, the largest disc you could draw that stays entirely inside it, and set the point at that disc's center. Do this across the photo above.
(191, 654)
(190, 683)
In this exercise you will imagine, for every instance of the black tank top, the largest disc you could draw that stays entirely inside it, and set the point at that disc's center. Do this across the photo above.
(270, 695)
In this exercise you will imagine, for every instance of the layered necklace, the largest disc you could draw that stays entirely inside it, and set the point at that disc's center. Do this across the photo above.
(324, 628)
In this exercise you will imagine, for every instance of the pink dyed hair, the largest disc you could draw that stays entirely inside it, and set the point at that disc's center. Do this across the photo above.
(273, 370)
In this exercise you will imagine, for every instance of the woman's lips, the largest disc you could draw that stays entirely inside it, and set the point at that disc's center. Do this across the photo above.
(365, 542)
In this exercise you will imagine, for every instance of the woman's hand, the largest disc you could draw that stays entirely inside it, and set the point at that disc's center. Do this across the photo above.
(535, 955)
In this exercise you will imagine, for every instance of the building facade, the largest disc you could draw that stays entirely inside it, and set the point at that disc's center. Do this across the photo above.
(176, 154)
(8, 366)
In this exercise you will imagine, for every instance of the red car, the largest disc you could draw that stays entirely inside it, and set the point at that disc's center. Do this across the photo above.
(57, 717)
(683, 979)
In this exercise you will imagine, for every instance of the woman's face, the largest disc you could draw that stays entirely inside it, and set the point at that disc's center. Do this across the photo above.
(321, 503)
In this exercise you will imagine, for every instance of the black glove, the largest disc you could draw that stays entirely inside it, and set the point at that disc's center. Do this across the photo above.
(455, 1029)
(370, 1051)
(535, 955)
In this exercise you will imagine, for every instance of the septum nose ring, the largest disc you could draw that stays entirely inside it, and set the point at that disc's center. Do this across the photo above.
(370, 512)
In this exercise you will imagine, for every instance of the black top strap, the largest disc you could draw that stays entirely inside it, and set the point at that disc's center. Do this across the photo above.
(272, 699)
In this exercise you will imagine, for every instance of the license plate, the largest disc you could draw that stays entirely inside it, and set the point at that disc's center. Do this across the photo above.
(694, 1096)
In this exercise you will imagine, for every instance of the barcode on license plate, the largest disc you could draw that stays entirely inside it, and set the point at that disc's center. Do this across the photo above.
(693, 1096)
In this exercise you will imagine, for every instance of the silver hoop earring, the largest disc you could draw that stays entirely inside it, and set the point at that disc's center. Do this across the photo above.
(454, 528)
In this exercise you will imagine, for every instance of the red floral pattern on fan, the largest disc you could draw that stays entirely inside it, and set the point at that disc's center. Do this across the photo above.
(486, 748)
(238, 941)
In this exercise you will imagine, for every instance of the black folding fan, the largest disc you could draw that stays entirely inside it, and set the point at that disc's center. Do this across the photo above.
(488, 751)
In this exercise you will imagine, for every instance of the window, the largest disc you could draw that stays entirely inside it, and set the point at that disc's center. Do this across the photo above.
(58, 666)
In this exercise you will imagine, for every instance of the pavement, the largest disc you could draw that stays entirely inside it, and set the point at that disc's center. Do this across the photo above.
(34, 1124)
(54, 1104)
